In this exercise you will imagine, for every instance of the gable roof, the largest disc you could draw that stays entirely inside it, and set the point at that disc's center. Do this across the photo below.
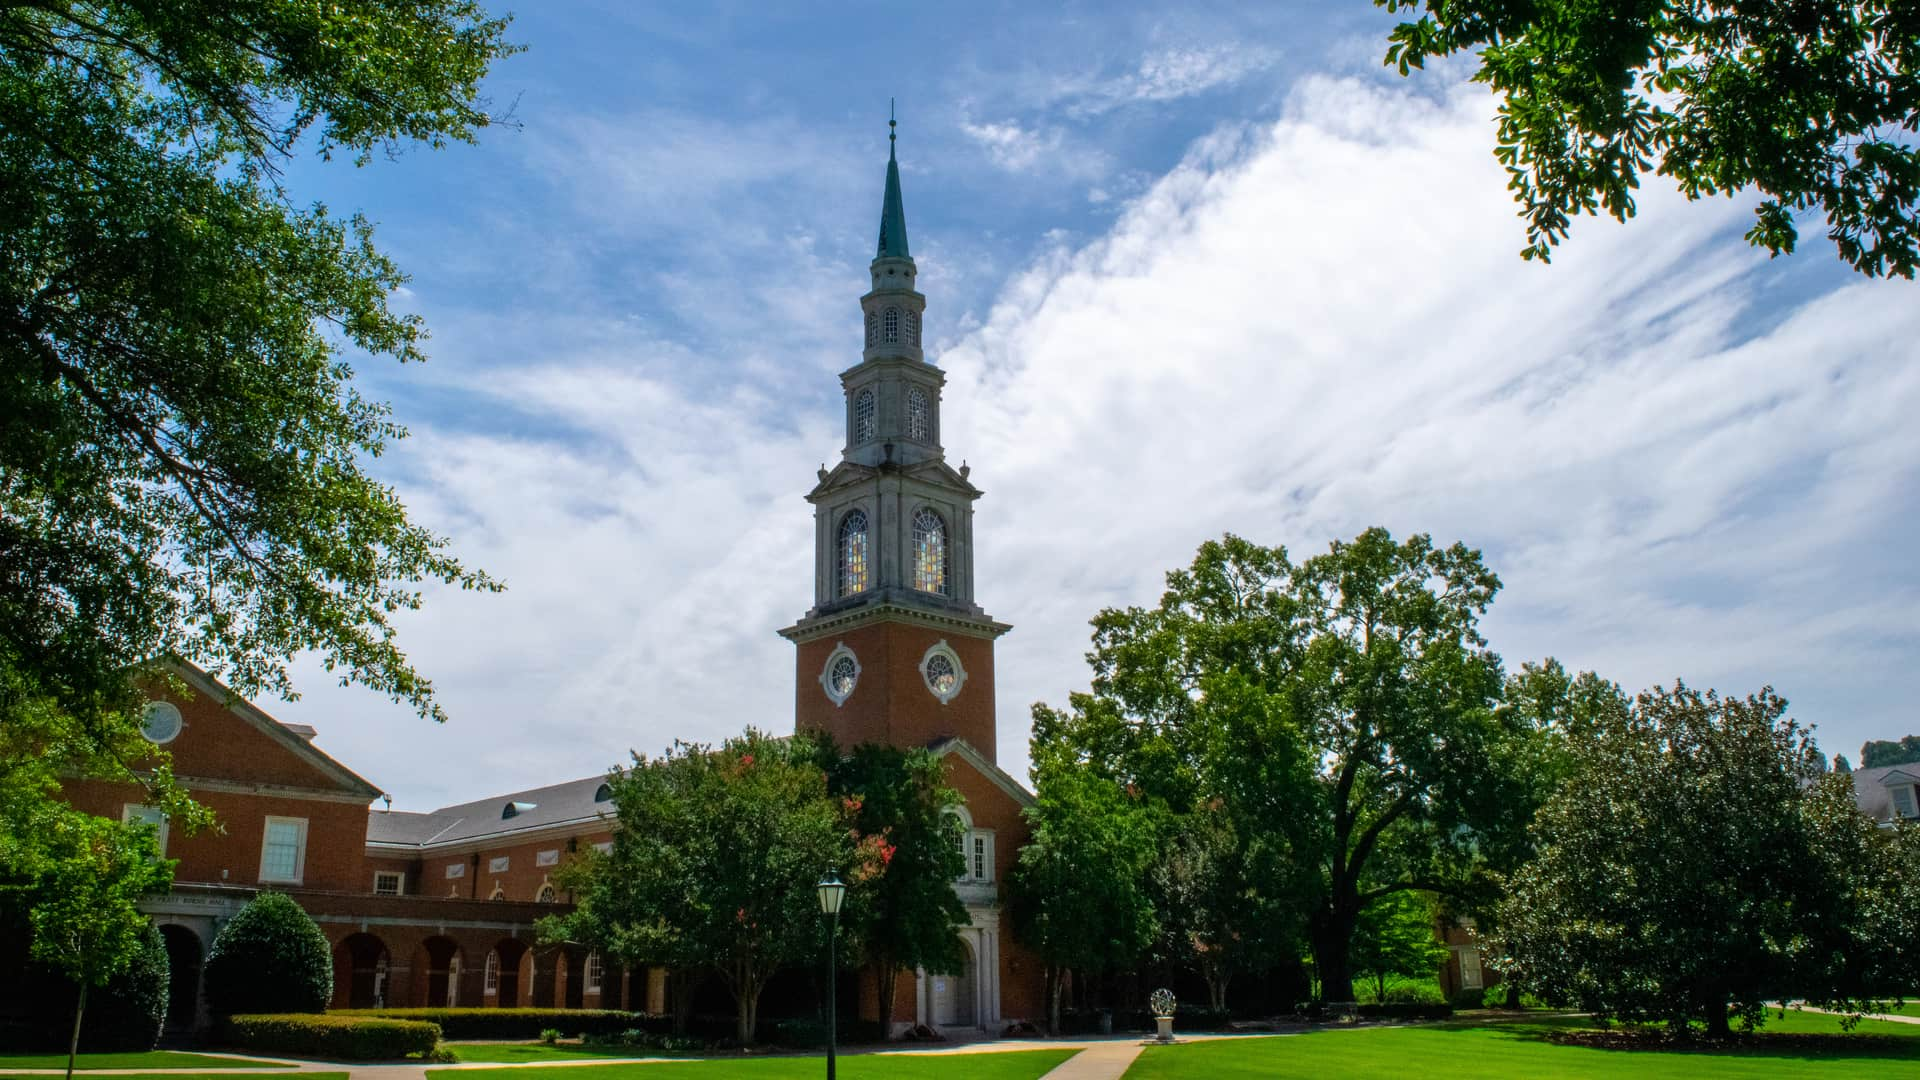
(534, 810)
(296, 739)
(954, 746)
(1870, 788)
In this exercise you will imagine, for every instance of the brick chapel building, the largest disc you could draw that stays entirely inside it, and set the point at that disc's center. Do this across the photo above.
(439, 908)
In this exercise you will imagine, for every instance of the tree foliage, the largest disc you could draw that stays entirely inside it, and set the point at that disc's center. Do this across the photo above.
(1078, 894)
(1341, 709)
(716, 852)
(1814, 104)
(1395, 938)
(271, 957)
(1700, 863)
(1877, 752)
(1212, 916)
(901, 911)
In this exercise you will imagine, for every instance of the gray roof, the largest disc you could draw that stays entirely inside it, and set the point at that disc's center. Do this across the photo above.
(534, 809)
(1870, 788)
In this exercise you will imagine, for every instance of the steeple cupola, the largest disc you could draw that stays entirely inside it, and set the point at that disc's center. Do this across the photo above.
(893, 534)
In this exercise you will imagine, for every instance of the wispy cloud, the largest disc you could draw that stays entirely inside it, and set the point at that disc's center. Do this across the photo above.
(1165, 75)
(1675, 471)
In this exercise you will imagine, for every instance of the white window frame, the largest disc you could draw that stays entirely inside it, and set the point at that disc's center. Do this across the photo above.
(980, 856)
(299, 849)
(490, 978)
(596, 970)
(399, 879)
(133, 812)
(941, 648)
(1472, 977)
(456, 870)
(499, 863)
(546, 894)
(1908, 807)
(549, 857)
(604, 847)
(826, 674)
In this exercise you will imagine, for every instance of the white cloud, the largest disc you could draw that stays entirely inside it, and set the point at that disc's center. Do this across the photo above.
(1164, 75)
(1305, 329)
(1013, 147)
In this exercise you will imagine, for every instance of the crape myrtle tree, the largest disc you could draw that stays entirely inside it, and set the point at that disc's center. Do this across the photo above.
(183, 456)
(1211, 916)
(1394, 939)
(1813, 104)
(716, 853)
(1700, 863)
(901, 910)
(1078, 894)
(1341, 708)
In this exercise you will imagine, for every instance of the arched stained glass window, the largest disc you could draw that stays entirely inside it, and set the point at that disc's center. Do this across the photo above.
(873, 329)
(913, 328)
(890, 326)
(865, 422)
(919, 415)
(851, 576)
(929, 552)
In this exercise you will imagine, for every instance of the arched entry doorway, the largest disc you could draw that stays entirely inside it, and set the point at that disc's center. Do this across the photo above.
(502, 980)
(953, 994)
(443, 969)
(367, 971)
(183, 977)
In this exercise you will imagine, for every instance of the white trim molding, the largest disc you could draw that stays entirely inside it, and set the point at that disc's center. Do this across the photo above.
(941, 650)
(840, 650)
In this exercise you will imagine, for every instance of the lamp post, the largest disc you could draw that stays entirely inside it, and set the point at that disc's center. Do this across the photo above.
(832, 892)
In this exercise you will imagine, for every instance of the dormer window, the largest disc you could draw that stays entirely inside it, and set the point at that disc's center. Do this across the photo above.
(515, 809)
(1906, 803)
(603, 793)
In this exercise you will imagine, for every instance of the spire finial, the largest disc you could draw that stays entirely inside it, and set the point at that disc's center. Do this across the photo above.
(892, 125)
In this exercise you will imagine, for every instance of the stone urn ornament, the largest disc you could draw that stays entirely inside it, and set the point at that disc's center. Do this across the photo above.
(1162, 1003)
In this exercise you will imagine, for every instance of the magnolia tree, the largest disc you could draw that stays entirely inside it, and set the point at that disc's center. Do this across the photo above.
(1700, 862)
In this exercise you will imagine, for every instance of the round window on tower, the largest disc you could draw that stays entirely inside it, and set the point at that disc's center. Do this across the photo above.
(943, 672)
(841, 674)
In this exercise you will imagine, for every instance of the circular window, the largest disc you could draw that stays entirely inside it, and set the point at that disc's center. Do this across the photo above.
(944, 675)
(841, 674)
(161, 723)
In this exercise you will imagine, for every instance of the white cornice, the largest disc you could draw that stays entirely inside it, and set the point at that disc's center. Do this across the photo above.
(841, 621)
(961, 748)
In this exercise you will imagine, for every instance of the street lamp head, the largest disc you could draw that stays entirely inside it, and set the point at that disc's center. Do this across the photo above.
(832, 892)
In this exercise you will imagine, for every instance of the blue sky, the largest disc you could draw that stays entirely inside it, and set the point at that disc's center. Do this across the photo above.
(1189, 270)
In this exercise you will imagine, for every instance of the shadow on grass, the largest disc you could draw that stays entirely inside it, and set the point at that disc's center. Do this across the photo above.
(1580, 1031)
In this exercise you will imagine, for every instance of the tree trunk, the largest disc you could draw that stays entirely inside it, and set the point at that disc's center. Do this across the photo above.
(1056, 983)
(1218, 976)
(747, 1009)
(1513, 994)
(1331, 942)
(1716, 1010)
(680, 986)
(73, 1044)
(886, 978)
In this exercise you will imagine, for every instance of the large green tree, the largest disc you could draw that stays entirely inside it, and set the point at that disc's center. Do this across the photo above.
(1212, 915)
(1341, 708)
(183, 456)
(1078, 894)
(716, 853)
(1700, 862)
(1395, 939)
(1813, 104)
(902, 911)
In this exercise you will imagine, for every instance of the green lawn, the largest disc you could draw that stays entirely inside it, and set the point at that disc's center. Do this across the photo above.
(525, 1053)
(155, 1059)
(1014, 1065)
(1517, 1048)
(182, 1076)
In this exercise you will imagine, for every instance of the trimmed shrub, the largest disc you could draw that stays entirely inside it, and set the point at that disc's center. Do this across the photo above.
(522, 1023)
(642, 1039)
(1406, 1011)
(339, 1038)
(270, 958)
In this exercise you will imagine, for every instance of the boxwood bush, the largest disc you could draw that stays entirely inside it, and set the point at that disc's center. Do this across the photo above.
(522, 1023)
(338, 1038)
(270, 958)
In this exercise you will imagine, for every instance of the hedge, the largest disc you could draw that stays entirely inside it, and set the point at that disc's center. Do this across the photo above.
(1406, 1010)
(125, 1015)
(521, 1023)
(270, 958)
(338, 1038)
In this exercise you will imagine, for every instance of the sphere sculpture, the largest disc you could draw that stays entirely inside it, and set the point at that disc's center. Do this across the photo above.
(1162, 1003)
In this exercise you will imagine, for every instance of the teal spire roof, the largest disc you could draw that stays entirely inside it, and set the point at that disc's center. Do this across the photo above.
(893, 212)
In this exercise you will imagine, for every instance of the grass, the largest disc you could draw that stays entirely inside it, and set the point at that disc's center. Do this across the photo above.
(1012, 1065)
(527, 1053)
(152, 1059)
(1520, 1048)
(177, 1076)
